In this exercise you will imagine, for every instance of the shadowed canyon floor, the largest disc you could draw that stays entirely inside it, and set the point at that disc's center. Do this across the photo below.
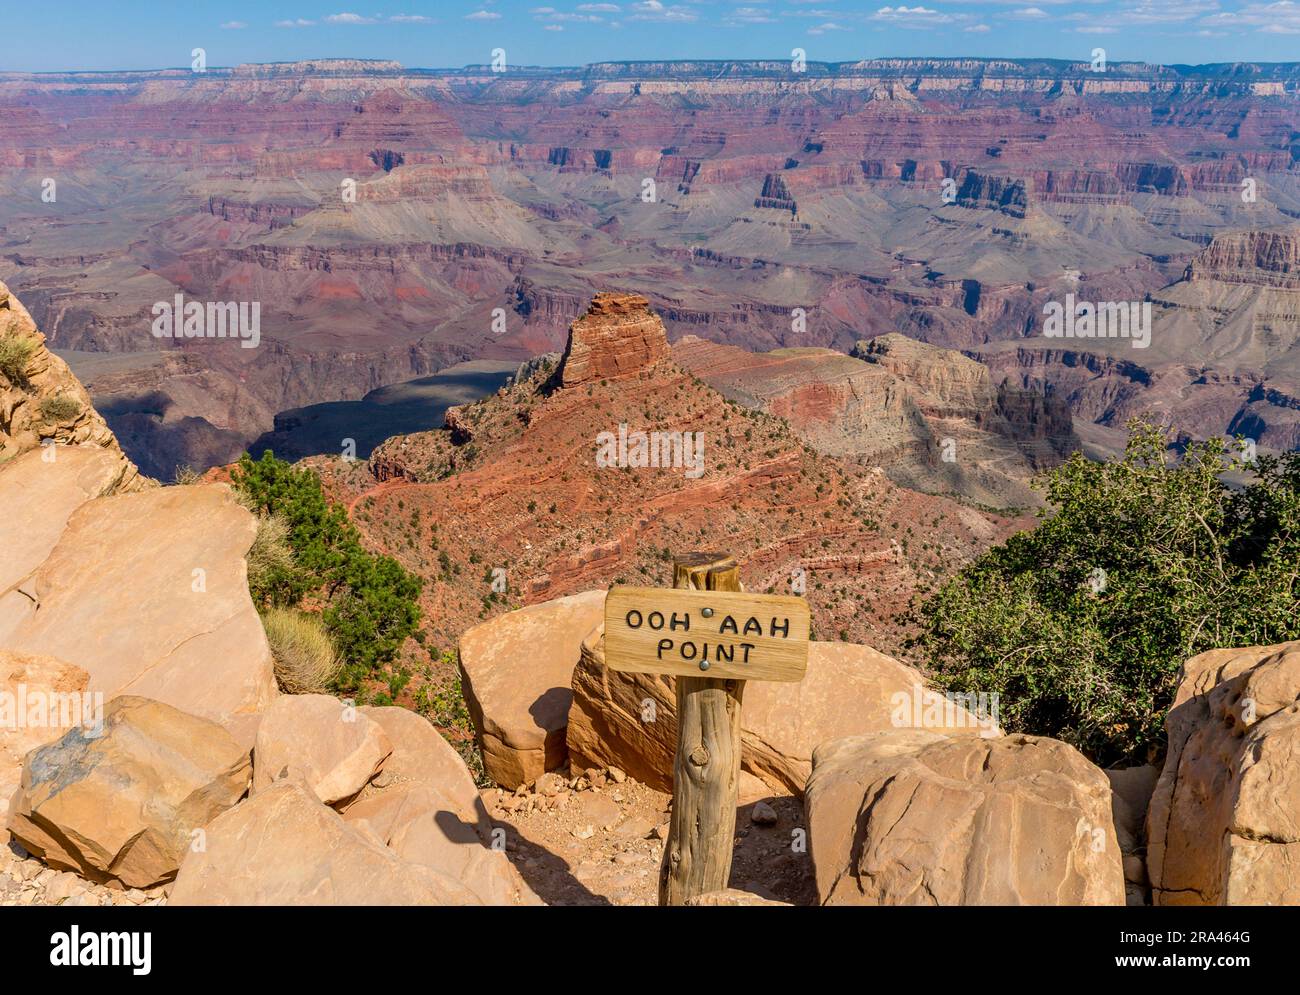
(414, 406)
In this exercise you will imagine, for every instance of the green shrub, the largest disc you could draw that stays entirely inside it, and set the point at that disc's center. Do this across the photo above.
(305, 660)
(378, 610)
(60, 408)
(320, 535)
(1081, 624)
(15, 353)
(371, 601)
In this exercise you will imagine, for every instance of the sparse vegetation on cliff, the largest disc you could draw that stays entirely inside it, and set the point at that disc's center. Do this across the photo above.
(59, 408)
(15, 353)
(370, 603)
(445, 707)
(1082, 623)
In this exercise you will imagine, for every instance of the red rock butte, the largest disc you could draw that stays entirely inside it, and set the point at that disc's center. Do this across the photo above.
(619, 335)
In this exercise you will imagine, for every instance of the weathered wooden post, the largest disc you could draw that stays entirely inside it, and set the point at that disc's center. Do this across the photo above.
(705, 626)
(706, 771)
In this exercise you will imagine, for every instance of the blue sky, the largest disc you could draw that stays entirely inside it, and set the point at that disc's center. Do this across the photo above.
(92, 34)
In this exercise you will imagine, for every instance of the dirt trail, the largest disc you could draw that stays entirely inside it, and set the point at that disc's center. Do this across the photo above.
(599, 844)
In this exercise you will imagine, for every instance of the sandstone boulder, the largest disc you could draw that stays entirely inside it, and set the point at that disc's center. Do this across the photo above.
(284, 847)
(425, 806)
(148, 593)
(126, 804)
(730, 897)
(334, 746)
(41, 698)
(911, 817)
(420, 756)
(516, 672)
(1224, 822)
(629, 720)
(428, 832)
(39, 491)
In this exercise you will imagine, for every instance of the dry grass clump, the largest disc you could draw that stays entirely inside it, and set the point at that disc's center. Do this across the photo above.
(305, 659)
(15, 353)
(60, 408)
(270, 556)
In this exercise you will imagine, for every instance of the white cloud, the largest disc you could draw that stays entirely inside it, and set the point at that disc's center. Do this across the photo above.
(1145, 13)
(911, 17)
(1166, 11)
(299, 23)
(347, 18)
(483, 15)
(234, 25)
(551, 14)
(978, 29)
(654, 10)
(599, 8)
(1281, 17)
(822, 29)
(411, 19)
(748, 15)
(1029, 14)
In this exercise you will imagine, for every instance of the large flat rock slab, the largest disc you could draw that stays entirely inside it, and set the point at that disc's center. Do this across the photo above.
(426, 808)
(148, 594)
(284, 847)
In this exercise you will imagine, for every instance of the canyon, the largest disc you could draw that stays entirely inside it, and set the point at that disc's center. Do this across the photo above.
(299, 798)
(509, 503)
(394, 222)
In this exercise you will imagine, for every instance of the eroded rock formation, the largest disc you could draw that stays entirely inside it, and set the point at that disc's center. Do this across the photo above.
(1224, 823)
(42, 403)
(630, 720)
(617, 336)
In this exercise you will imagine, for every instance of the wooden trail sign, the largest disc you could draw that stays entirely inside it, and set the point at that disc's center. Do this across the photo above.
(712, 637)
(758, 637)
